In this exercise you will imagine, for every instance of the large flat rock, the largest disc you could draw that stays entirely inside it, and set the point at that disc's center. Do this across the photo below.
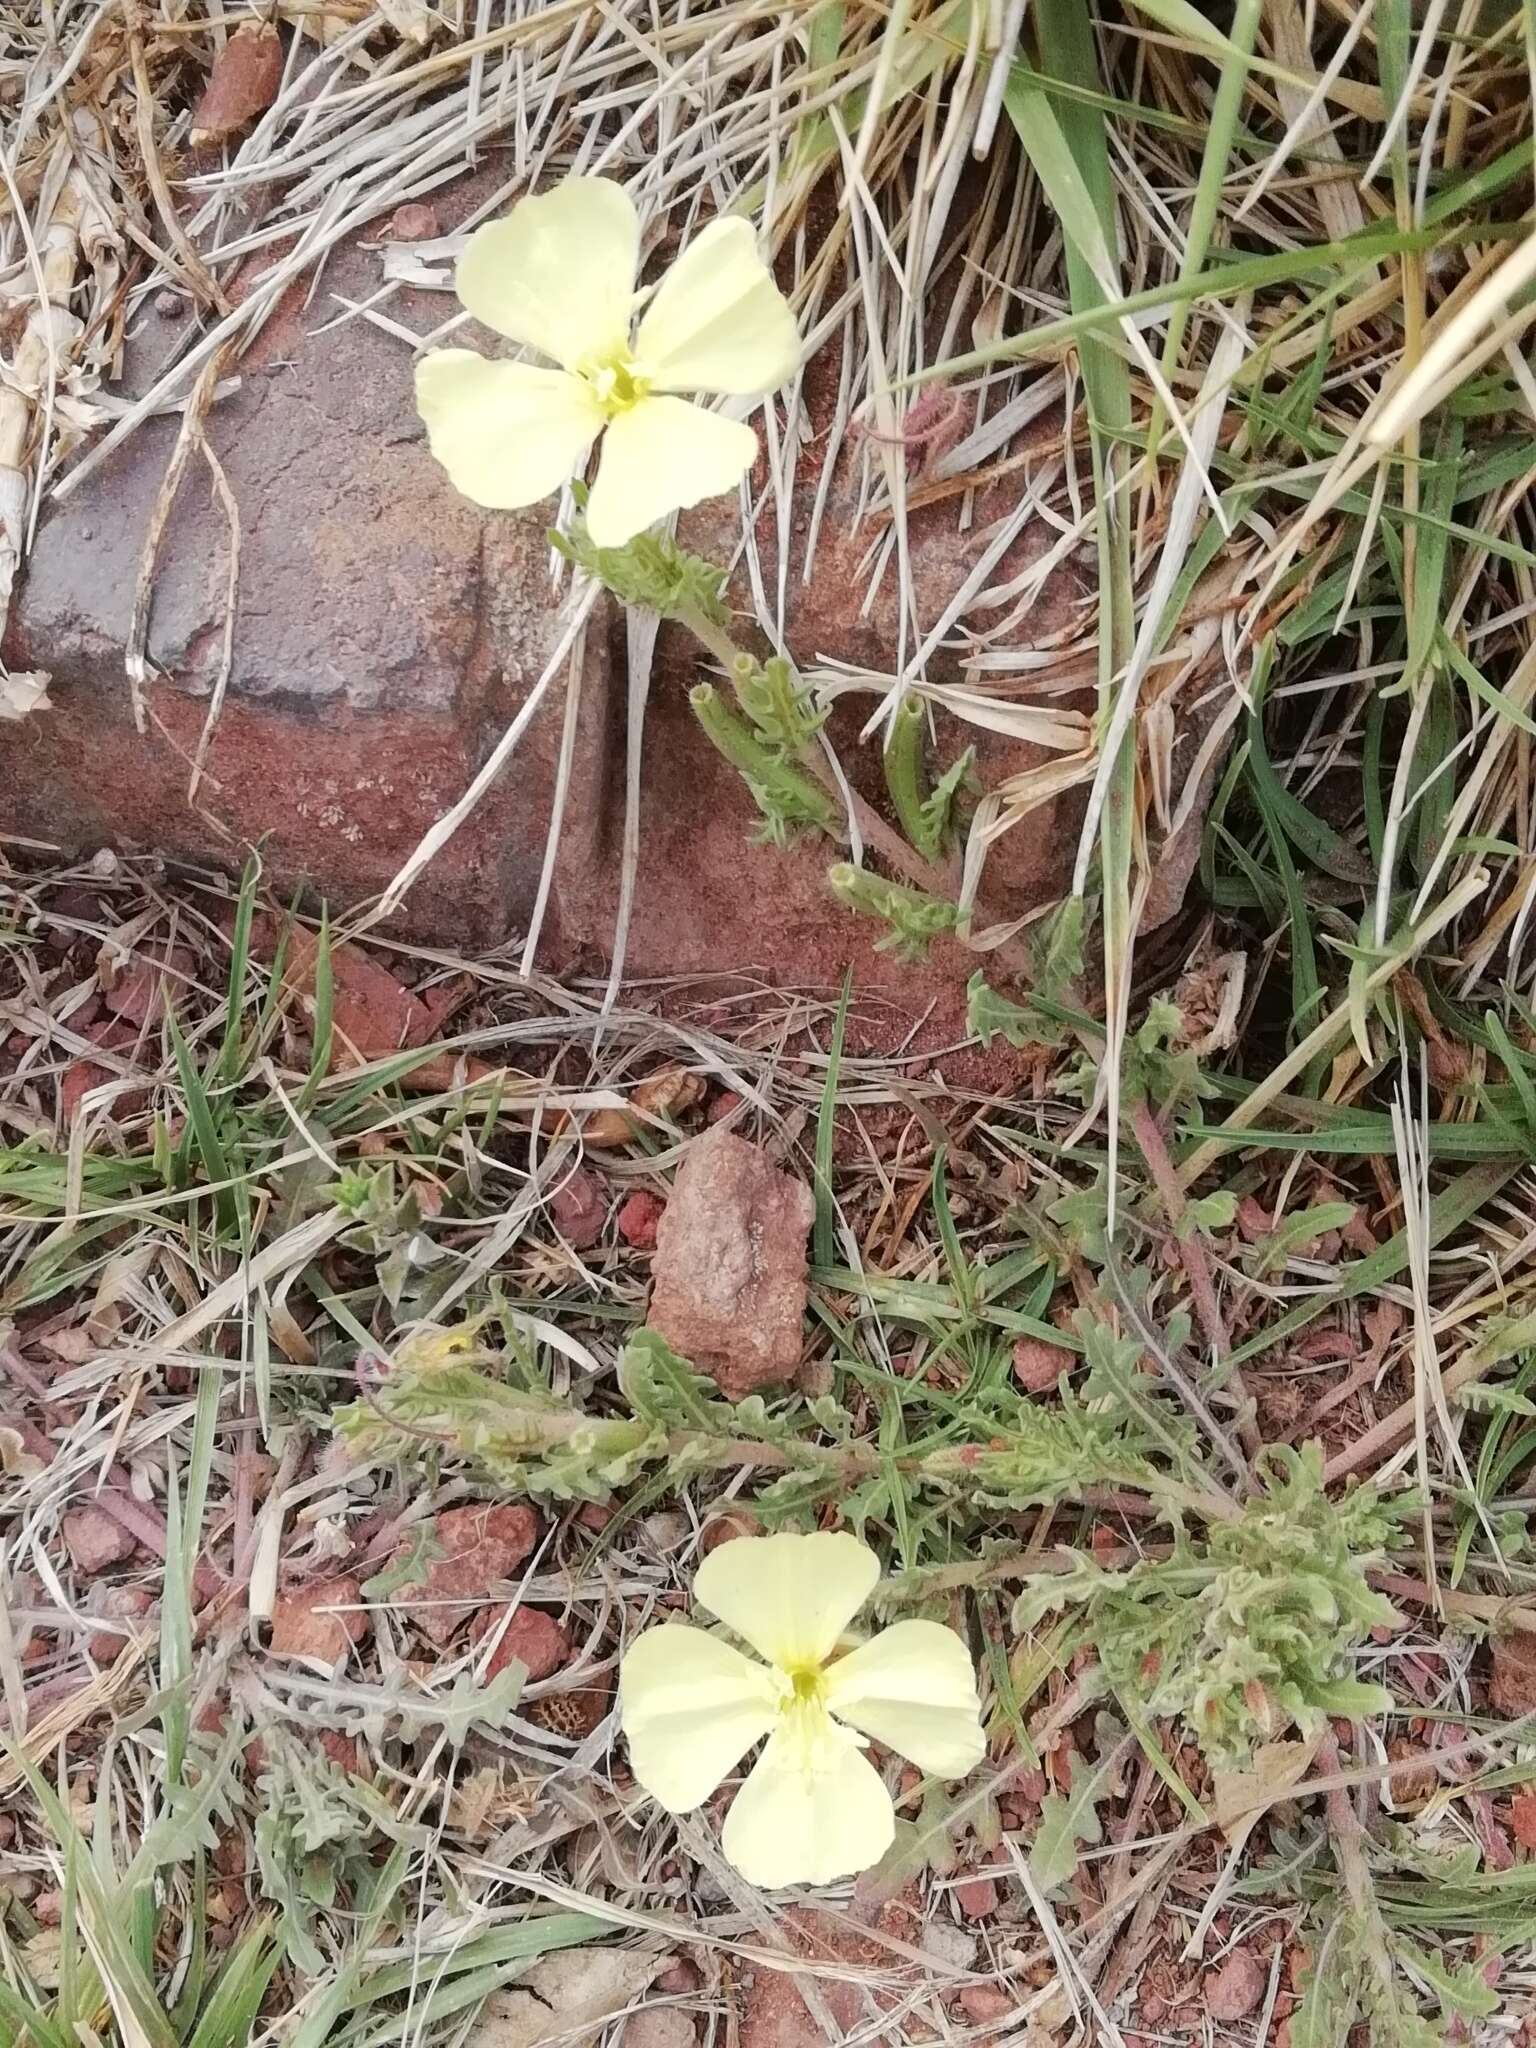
(385, 634)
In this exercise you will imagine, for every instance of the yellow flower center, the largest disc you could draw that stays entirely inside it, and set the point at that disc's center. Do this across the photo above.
(615, 383)
(804, 1722)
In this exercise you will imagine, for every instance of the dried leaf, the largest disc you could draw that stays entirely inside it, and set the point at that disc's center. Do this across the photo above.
(241, 86)
(411, 19)
(1241, 1797)
(669, 1093)
(571, 1995)
(24, 690)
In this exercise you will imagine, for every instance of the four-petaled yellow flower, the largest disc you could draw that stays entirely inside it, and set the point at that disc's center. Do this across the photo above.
(559, 276)
(814, 1807)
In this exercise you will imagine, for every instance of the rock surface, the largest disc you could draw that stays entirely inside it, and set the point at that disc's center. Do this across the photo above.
(385, 634)
(474, 1547)
(532, 1638)
(321, 1620)
(729, 1274)
(95, 1539)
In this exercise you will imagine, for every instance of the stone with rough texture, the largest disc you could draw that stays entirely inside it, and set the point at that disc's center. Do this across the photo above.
(386, 632)
(729, 1292)
(658, 2026)
(384, 637)
(858, 1975)
(95, 1539)
(532, 1638)
(1234, 1990)
(1513, 1690)
(322, 1620)
(474, 1547)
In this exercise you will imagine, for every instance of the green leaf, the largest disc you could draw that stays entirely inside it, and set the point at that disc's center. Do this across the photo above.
(990, 1015)
(1066, 1820)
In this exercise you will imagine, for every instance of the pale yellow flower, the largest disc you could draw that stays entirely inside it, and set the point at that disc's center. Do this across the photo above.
(814, 1807)
(558, 275)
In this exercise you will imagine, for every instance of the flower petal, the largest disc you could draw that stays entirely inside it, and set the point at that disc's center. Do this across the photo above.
(913, 1688)
(659, 457)
(691, 1707)
(558, 273)
(718, 321)
(506, 433)
(789, 1596)
(788, 1825)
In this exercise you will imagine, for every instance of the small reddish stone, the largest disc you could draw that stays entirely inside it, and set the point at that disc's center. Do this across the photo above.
(977, 1897)
(1037, 1365)
(722, 1105)
(533, 1639)
(580, 1209)
(639, 1217)
(95, 1539)
(1234, 1990)
(78, 1078)
(138, 987)
(477, 1546)
(125, 1604)
(984, 2003)
(305, 1623)
(1522, 1818)
(416, 221)
(659, 2026)
(341, 1749)
(679, 1977)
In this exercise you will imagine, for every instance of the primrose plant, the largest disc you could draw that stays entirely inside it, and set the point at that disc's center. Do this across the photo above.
(559, 276)
(813, 1807)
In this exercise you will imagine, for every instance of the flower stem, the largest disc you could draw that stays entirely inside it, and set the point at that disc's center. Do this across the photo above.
(935, 878)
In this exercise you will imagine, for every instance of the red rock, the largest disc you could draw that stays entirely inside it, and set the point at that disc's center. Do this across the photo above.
(679, 1977)
(414, 222)
(773, 2012)
(532, 1638)
(124, 1604)
(984, 2003)
(477, 1546)
(659, 2026)
(95, 1539)
(977, 1897)
(579, 1206)
(343, 1751)
(1513, 1690)
(372, 1013)
(387, 633)
(305, 1623)
(722, 1106)
(243, 83)
(76, 1080)
(135, 989)
(1522, 1817)
(639, 1216)
(1234, 1989)
(730, 1267)
(1037, 1365)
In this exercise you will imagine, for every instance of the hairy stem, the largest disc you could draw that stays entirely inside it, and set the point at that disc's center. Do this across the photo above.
(1197, 1270)
(934, 878)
